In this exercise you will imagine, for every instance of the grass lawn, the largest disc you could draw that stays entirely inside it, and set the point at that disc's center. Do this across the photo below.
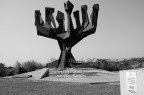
(30, 87)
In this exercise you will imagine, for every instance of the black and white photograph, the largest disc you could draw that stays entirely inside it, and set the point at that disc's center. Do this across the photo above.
(71, 47)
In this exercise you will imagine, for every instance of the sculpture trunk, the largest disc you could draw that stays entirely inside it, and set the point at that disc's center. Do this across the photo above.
(62, 59)
(66, 59)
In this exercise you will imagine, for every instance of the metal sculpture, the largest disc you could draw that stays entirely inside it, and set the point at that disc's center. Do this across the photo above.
(66, 39)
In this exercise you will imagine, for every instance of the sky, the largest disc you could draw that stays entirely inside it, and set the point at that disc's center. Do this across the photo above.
(119, 34)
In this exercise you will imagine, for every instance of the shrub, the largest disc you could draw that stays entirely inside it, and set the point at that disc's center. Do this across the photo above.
(25, 67)
(2, 70)
(10, 71)
(2, 65)
(101, 64)
(110, 66)
(6, 71)
(32, 65)
(115, 66)
(91, 62)
(18, 68)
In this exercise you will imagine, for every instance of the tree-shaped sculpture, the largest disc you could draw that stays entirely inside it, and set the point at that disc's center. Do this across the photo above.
(66, 39)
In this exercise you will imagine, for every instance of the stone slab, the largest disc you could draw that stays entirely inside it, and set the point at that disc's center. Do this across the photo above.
(36, 75)
(21, 76)
(39, 74)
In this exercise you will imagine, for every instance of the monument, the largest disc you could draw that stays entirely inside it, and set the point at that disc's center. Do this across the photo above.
(66, 39)
(131, 82)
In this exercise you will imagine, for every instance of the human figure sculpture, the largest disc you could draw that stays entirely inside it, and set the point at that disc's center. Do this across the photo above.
(66, 39)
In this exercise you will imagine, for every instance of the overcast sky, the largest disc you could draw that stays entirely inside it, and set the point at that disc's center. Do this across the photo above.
(119, 34)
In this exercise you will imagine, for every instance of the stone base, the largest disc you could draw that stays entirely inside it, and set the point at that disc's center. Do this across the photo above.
(70, 73)
(82, 75)
(74, 75)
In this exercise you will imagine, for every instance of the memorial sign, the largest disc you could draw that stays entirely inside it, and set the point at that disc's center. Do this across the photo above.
(132, 82)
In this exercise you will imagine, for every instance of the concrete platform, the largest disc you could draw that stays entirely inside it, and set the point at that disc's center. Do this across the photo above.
(78, 75)
(84, 75)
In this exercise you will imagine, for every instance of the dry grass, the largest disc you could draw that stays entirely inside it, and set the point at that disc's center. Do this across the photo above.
(29, 87)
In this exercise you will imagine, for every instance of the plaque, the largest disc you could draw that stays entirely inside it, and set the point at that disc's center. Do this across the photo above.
(131, 83)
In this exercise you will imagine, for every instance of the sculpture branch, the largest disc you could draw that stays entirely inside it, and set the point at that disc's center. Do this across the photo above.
(91, 27)
(46, 29)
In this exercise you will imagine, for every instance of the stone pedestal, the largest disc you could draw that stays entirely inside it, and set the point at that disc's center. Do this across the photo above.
(82, 75)
(132, 82)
